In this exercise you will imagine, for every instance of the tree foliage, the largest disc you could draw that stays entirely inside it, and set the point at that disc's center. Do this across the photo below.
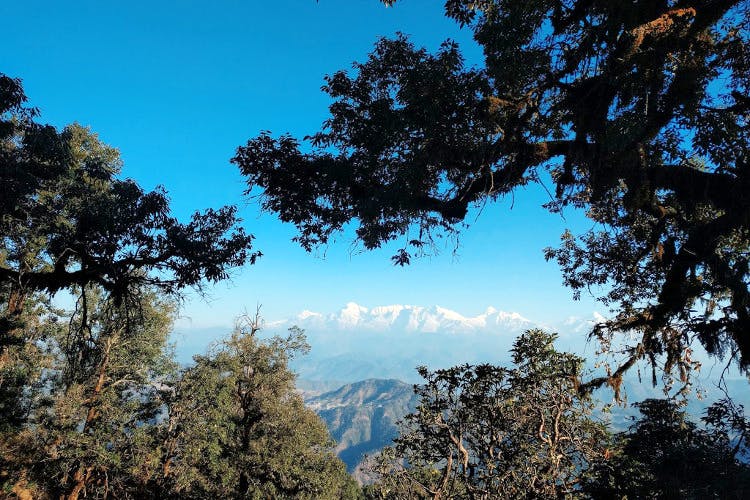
(67, 220)
(69, 224)
(92, 403)
(485, 432)
(665, 455)
(22, 364)
(91, 427)
(115, 417)
(638, 111)
(242, 431)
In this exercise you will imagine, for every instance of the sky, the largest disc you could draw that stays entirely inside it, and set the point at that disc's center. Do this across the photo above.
(177, 86)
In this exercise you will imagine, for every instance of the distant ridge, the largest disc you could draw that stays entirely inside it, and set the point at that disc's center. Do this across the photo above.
(358, 342)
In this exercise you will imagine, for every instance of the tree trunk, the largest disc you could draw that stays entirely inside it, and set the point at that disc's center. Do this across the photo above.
(10, 331)
(92, 414)
(81, 476)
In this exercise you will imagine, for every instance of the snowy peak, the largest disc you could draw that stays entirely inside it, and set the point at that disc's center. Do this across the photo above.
(351, 316)
(411, 319)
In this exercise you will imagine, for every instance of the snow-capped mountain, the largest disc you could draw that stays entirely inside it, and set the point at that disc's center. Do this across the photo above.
(358, 342)
(409, 319)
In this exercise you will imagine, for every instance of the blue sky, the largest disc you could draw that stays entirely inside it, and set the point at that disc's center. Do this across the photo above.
(177, 86)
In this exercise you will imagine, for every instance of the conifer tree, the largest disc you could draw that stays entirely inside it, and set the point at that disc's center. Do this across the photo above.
(242, 430)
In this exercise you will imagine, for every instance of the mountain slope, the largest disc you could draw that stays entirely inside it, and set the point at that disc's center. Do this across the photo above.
(362, 416)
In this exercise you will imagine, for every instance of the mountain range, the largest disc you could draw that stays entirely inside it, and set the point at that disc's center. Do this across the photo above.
(408, 319)
(389, 341)
(358, 342)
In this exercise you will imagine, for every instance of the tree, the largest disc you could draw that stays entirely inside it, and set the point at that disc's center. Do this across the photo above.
(637, 111)
(242, 431)
(93, 404)
(94, 429)
(69, 224)
(23, 364)
(67, 221)
(77, 390)
(117, 419)
(485, 432)
(665, 455)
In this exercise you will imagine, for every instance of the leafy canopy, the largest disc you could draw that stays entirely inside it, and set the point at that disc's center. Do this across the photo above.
(107, 413)
(82, 392)
(69, 223)
(665, 455)
(94, 401)
(67, 220)
(638, 111)
(485, 431)
(242, 430)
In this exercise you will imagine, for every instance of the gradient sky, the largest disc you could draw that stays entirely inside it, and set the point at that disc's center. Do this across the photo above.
(178, 85)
